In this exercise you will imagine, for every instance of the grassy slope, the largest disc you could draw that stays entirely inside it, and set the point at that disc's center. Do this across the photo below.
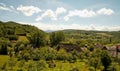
(23, 38)
(3, 59)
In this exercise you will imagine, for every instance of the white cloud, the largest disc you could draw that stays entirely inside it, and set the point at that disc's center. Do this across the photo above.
(28, 10)
(105, 11)
(4, 7)
(88, 13)
(80, 13)
(48, 13)
(52, 14)
(60, 11)
(66, 18)
(2, 4)
(12, 7)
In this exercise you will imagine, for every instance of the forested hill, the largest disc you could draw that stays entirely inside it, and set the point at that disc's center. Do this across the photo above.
(19, 32)
(84, 36)
(13, 28)
(12, 31)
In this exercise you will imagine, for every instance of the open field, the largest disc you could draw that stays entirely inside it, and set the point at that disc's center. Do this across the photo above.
(3, 59)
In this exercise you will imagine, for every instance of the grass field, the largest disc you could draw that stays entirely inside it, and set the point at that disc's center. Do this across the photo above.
(3, 59)
(21, 38)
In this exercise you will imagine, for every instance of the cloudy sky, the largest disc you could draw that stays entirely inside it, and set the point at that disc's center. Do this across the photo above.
(103, 15)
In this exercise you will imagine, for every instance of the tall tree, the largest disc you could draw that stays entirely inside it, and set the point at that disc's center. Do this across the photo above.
(56, 37)
(38, 39)
(94, 62)
(105, 59)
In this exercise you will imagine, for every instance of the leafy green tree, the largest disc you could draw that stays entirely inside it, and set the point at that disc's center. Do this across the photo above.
(11, 63)
(11, 52)
(62, 55)
(3, 49)
(105, 59)
(21, 65)
(73, 56)
(51, 55)
(40, 65)
(37, 55)
(81, 55)
(75, 69)
(56, 37)
(31, 66)
(38, 39)
(94, 62)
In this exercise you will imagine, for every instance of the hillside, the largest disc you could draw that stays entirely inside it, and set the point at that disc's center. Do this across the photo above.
(13, 32)
(104, 37)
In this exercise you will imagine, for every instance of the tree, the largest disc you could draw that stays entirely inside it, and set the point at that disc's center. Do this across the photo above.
(38, 39)
(81, 55)
(62, 55)
(3, 49)
(56, 37)
(40, 65)
(94, 62)
(105, 59)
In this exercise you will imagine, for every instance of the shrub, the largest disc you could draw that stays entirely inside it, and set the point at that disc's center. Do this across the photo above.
(91, 69)
(74, 69)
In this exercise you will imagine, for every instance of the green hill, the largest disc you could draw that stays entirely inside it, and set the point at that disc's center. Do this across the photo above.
(12, 32)
(83, 36)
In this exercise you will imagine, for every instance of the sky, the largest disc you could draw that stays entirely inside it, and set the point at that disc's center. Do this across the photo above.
(101, 15)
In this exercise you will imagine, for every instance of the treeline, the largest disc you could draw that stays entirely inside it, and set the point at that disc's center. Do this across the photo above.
(82, 37)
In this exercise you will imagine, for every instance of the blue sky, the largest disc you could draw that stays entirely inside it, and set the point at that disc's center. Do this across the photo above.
(103, 15)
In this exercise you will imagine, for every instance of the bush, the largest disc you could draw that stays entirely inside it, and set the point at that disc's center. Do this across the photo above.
(3, 49)
(74, 69)
(12, 37)
(40, 65)
(91, 69)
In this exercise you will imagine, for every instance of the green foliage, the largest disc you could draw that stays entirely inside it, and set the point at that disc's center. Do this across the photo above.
(91, 69)
(81, 55)
(12, 37)
(3, 49)
(62, 55)
(82, 37)
(73, 56)
(56, 38)
(38, 39)
(106, 60)
(74, 69)
(94, 62)
(52, 54)
(40, 65)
